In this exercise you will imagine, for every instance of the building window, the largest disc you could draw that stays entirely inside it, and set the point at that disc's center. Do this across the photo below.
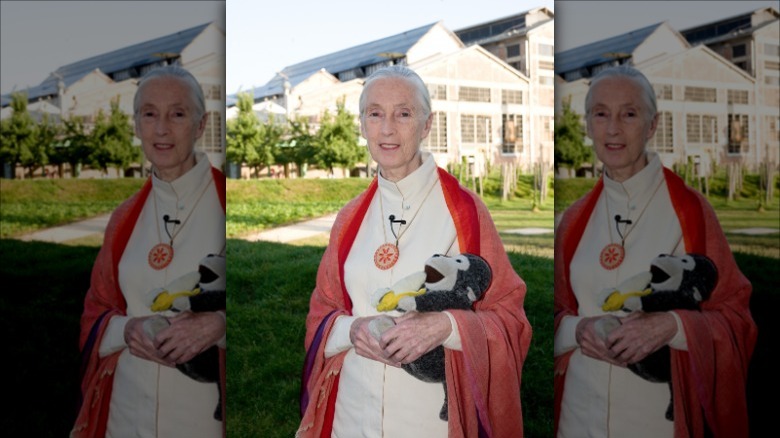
(772, 65)
(546, 49)
(774, 127)
(546, 65)
(738, 50)
(437, 138)
(709, 129)
(738, 133)
(739, 97)
(512, 134)
(212, 138)
(121, 75)
(437, 91)
(663, 91)
(513, 50)
(546, 81)
(212, 92)
(663, 140)
(700, 94)
(474, 94)
(701, 128)
(475, 129)
(511, 96)
(548, 128)
(693, 128)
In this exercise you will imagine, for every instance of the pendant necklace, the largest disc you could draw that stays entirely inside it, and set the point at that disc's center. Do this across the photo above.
(161, 255)
(386, 256)
(613, 254)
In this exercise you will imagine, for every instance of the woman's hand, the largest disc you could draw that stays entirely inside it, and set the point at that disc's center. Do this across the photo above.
(139, 343)
(415, 334)
(591, 344)
(189, 335)
(365, 344)
(641, 334)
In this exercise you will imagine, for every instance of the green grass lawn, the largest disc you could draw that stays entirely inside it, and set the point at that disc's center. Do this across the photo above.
(270, 286)
(31, 205)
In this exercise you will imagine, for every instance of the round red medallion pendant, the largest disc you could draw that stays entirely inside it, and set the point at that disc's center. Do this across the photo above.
(612, 256)
(160, 256)
(386, 256)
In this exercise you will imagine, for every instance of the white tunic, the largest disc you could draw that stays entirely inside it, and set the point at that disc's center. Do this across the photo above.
(375, 400)
(602, 400)
(151, 400)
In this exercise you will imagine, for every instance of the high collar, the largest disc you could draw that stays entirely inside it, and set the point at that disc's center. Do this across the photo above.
(188, 184)
(644, 181)
(414, 183)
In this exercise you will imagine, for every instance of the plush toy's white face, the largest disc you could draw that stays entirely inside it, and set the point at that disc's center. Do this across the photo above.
(669, 271)
(442, 271)
(212, 273)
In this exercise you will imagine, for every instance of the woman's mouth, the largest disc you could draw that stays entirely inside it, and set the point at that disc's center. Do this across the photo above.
(163, 146)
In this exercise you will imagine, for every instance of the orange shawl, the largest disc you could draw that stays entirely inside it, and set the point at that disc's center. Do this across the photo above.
(483, 380)
(104, 299)
(709, 379)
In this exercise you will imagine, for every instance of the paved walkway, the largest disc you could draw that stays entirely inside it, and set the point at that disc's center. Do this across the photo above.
(286, 234)
(76, 230)
(755, 231)
(297, 231)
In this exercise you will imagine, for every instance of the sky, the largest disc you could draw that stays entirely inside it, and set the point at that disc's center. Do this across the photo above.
(265, 37)
(37, 37)
(578, 23)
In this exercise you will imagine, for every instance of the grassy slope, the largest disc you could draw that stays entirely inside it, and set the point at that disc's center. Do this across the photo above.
(27, 206)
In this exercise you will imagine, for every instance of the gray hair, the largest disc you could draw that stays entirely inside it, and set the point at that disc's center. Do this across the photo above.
(401, 72)
(626, 71)
(176, 72)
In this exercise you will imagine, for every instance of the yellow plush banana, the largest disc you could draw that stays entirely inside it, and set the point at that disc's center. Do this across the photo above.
(390, 300)
(164, 300)
(616, 299)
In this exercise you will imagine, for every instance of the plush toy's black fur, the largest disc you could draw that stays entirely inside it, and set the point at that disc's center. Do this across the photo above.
(691, 283)
(468, 287)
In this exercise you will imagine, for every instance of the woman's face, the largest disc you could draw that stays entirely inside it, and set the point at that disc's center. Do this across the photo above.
(620, 124)
(168, 126)
(393, 125)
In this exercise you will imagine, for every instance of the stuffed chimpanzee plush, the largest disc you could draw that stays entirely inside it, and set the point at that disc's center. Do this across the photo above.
(201, 291)
(673, 283)
(447, 283)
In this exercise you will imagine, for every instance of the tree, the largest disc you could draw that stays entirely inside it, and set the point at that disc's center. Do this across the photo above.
(18, 134)
(337, 140)
(271, 134)
(570, 149)
(243, 133)
(45, 135)
(301, 144)
(112, 138)
(77, 145)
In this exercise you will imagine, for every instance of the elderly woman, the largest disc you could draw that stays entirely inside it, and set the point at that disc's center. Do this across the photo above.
(636, 211)
(353, 385)
(130, 384)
